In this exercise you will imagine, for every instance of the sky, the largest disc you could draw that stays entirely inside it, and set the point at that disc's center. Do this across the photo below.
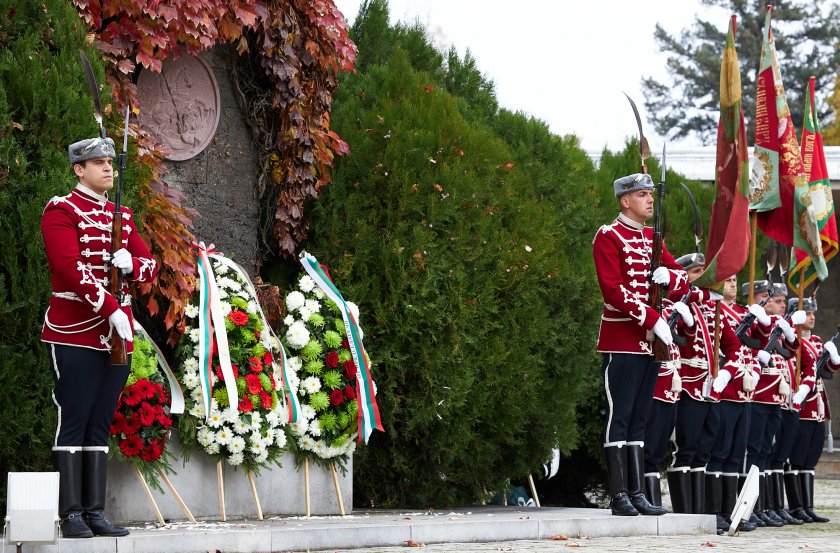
(565, 63)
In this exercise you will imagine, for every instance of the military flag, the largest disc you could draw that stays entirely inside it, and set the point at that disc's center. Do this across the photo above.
(814, 228)
(777, 164)
(729, 230)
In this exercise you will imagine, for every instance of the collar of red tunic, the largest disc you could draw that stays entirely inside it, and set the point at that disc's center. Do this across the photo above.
(89, 194)
(627, 221)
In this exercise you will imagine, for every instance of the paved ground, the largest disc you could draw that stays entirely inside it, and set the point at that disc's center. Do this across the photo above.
(813, 537)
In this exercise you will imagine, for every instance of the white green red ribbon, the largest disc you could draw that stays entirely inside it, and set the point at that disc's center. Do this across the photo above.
(211, 322)
(288, 398)
(176, 395)
(365, 397)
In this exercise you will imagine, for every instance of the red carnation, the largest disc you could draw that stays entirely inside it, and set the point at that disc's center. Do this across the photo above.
(267, 359)
(336, 397)
(245, 404)
(238, 317)
(131, 446)
(117, 425)
(350, 369)
(132, 425)
(349, 392)
(255, 364)
(332, 359)
(254, 384)
(147, 414)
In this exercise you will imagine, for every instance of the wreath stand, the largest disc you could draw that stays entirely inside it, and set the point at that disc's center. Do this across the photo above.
(220, 476)
(533, 490)
(337, 489)
(177, 496)
(149, 496)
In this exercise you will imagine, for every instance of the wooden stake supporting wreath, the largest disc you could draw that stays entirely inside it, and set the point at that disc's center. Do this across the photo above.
(306, 484)
(149, 496)
(254, 493)
(337, 489)
(220, 477)
(177, 496)
(533, 489)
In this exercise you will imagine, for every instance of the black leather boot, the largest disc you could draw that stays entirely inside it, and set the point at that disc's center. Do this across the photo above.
(93, 498)
(806, 479)
(69, 467)
(770, 498)
(754, 520)
(679, 485)
(653, 488)
(698, 491)
(714, 491)
(761, 505)
(635, 482)
(620, 504)
(729, 497)
(794, 496)
(779, 499)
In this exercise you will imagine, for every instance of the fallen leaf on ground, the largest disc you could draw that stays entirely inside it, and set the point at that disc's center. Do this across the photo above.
(412, 543)
(708, 544)
(572, 544)
(558, 537)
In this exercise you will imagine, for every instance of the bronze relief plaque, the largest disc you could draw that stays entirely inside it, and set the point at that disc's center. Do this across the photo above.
(180, 106)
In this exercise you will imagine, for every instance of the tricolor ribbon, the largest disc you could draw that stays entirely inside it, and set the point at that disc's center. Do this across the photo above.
(280, 370)
(210, 316)
(176, 395)
(368, 409)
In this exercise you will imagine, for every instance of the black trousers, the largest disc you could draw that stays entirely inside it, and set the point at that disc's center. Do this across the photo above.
(785, 439)
(629, 381)
(86, 391)
(764, 423)
(731, 440)
(808, 445)
(660, 424)
(696, 431)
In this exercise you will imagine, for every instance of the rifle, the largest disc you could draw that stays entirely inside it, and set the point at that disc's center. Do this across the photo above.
(773, 342)
(672, 320)
(744, 327)
(660, 351)
(822, 372)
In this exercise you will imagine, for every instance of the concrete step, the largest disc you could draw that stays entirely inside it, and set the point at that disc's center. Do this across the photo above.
(384, 528)
(829, 466)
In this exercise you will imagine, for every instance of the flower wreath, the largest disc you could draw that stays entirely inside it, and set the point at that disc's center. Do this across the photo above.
(250, 432)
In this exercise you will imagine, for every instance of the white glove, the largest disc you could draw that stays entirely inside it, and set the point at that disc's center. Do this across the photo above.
(714, 296)
(800, 396)
(832, 352)
(662, 276)
(760, 314)
(685, 313)
(122, 261)
(798, 317)
(722, 379)
(790, 335)
(663, 332)
(119, 321)
(763, 357)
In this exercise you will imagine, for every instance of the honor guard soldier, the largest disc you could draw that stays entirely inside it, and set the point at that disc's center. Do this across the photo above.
(785, 439)
(799, 476)
(622, 252)
(734, 386)
(82, 321)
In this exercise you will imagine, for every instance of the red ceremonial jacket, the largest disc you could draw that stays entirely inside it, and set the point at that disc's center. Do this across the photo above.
(698, 353)
(742, 360)
(814, 407)
(77, 238)
(771, 386)
(622, 252)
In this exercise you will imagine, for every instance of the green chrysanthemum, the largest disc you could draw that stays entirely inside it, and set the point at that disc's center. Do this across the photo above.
(274, 399)
(331, 379)
(319, 401)
(316, 320)
(265, 381)
(221, 397)
(332, 339)
(343, 419)
(258, 350)
(255, 399)
(229, 325)
(132, 378)
(328, 421)
(312, 350)
(332, 306)
(247, 335)
(352, 408)
(241, 386)
(344, 355)
(239, 302)
(259, 324)
(339, 326)
(314, 367)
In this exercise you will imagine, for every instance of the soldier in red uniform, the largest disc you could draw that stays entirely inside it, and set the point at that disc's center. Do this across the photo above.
(80, 324)
(808, 447)
(622, 252)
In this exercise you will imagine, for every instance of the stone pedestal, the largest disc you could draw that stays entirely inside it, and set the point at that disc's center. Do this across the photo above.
(281, 490)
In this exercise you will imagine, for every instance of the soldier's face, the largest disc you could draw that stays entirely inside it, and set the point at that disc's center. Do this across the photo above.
(695, 272)
(96, 174)
(730, 288)
(810, 321)
(638, 205)
(775, 305)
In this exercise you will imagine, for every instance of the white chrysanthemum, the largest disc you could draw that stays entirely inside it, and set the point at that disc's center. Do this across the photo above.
(236, 459)
(194, 335)
(306, 443)
(226, 308)
(354, 310)
(224, 435)
(255, 436)
(223, 294)
(197, 410)
(311, 384)
(297, 336)
(280, 439)
(257, 447)
(295, 301)
(299, 428)
(241, 427)
(231, 415)
(191, 380)
(191, 311)
(315, 427)
(204, 436)
(262, 457)
(314, 306)
(229, 283)
(319, 293)
(305, 313)
(252, 307)
(294, 382)
(272, 418)
(361, 334)
(220, 269)
(269, 436)
(256, 420)
(294, 363)
(191, 364)
(319, 447)
(306, 283)
(288, 320)
(212, 448)
(307, 412)
(216, 419)
(196, 396)
(237, 444)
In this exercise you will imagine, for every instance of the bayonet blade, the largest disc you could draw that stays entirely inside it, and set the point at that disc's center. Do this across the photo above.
(94, 92)
(698, 223)
(644, 148)
(125, 130)
(664, 164)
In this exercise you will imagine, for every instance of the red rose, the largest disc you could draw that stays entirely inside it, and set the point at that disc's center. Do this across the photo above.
(117, 425)
(131, 446)
(265, 400)
(350, 392)
(336, 397)
(245, 404)
(345, 344)
(132, 425)
(254, 383)
(147, 414)
(332, 359)
(238, 318)
(350, 369)
(267, 359)
(255, 364)
(257, 334)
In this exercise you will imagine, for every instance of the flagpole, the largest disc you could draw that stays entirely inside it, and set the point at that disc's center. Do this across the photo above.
(801, 290)
(753, 240)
